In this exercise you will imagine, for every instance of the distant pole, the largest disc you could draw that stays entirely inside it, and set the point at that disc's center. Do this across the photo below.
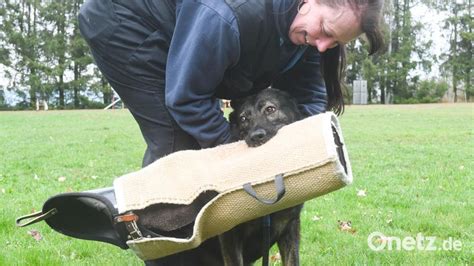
(112, 104)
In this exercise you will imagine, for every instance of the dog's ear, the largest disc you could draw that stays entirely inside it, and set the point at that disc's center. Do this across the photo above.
(234, 118)
(234, 126)
(237, 103)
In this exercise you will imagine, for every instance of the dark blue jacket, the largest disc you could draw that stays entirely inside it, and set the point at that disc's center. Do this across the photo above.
(204, 48)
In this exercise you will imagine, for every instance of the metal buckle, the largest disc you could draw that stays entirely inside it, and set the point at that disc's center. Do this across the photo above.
(130, 220)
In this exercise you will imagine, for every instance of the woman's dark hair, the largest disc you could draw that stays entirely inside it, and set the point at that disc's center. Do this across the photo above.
(333, 61)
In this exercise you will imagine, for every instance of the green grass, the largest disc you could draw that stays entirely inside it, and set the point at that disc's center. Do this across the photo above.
(415, 162)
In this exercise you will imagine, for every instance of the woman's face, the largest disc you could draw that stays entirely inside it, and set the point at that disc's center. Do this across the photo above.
(323, 27)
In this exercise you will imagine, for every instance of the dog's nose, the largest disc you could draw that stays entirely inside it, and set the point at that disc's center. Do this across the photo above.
(258, 135)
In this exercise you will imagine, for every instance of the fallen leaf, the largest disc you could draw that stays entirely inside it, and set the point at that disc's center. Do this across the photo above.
(35, 234)
(362, 193)
(275, 258)
(62, 179)
(316, 218)
(94, 177)
(346, 226)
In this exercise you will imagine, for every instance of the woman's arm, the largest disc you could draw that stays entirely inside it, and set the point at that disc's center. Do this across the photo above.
(204, 45)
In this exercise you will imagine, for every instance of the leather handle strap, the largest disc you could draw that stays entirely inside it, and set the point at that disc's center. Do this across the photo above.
(280, 189)
(35, 217)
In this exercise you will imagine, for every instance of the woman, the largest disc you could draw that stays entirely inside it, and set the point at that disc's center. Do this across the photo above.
(172, 60)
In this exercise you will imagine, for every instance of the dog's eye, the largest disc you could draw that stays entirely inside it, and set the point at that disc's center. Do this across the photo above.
(243, 118)
(270, 109)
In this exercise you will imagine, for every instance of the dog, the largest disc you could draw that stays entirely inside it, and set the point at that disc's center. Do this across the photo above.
(256, 119)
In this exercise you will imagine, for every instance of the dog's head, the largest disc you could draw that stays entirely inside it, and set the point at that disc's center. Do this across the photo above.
(257, 118)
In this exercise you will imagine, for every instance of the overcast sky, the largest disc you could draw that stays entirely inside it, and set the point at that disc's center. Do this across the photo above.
(433, 30)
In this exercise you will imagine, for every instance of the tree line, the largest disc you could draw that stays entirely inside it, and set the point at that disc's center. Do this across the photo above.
(407, 50)
(44, 58)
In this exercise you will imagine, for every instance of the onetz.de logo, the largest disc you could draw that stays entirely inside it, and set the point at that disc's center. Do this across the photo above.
(378, 241)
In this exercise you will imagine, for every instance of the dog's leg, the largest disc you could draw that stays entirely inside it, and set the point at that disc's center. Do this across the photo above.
(289, 243)
(231, 247)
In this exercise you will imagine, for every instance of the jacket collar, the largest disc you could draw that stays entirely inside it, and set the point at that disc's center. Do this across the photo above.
(284, 14)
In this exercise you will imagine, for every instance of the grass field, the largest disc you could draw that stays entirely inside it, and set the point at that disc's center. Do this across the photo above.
(415, 164)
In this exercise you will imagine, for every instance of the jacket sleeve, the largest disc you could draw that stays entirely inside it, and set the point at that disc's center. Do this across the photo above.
(305, 82)
(204, 45)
